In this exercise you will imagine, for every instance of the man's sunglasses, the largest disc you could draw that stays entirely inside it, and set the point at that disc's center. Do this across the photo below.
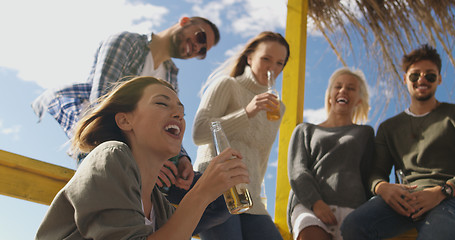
(201, 38)
(430, 77)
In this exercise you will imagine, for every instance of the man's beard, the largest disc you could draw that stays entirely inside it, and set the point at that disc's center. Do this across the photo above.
(174, 46)
(424, 98)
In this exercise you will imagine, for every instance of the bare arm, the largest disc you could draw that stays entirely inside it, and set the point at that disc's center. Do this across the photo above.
(221, 174)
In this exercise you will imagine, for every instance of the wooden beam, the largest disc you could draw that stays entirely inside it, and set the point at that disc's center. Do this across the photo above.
(30, 179)
(292, 96)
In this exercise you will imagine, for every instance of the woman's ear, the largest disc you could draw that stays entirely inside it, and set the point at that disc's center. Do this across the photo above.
(248, 59)
(122, 121)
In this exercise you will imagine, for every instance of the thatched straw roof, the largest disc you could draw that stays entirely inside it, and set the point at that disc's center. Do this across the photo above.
(388, 29)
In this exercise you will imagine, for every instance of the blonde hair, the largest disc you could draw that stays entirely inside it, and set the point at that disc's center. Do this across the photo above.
(361, 111)
(99, 124)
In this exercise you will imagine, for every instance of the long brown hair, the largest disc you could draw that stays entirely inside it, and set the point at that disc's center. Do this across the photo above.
(99, 125)
(242, 59)
(235, 65)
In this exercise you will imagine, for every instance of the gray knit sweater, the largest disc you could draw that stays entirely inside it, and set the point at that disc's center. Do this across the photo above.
(331, 164)
(225, 101)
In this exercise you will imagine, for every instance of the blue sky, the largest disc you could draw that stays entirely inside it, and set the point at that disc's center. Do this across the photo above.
(48, 43)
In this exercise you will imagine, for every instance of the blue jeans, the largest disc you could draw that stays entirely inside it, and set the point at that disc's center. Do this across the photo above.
(375, 219)
(215, 213)
(244, 227)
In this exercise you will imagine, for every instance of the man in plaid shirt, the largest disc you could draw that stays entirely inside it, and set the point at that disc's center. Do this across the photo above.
(130, 54)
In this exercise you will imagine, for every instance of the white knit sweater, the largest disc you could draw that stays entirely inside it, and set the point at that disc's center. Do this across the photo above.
(225, 101)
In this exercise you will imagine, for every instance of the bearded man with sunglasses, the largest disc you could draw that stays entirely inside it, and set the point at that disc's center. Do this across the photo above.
(421, 142)
(127, 54)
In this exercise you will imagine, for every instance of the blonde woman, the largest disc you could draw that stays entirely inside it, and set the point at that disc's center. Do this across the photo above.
(328, 163)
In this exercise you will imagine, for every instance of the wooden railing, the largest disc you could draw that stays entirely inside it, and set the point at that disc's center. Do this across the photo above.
(33, 180)
(30, 179)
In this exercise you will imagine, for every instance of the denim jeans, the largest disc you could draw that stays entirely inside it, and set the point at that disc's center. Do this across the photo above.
(215, 213)
(244, 227)
(375, 219)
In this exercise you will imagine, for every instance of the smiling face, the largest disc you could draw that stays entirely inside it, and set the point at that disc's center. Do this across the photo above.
(344, 94)
(156, 125)
(268, 55)
(422, 89)
(192, 39)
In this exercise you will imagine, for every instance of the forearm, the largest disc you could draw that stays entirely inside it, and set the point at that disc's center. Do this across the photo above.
(185, 219)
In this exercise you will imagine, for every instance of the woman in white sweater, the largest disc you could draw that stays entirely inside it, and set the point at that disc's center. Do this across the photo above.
(236, 96)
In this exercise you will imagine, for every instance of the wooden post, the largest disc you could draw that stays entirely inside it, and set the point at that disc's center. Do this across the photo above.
(292, 96)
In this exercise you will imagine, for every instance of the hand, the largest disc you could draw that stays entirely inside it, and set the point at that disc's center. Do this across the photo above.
(323, 212)
(185, 173)
(167, 174)
(263, 101)
(222, 173)
(397, 196)
(426, 200)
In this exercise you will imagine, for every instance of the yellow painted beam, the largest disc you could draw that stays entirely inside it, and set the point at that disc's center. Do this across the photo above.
(409, 235)
(30, 179)
(292, 96)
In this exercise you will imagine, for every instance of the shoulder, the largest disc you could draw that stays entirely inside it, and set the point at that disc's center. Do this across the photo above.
(125, 38)
(304, 128)
(128, 35)
(223, 84)
(397, 119)
(365, 128)
(111, 147)
(447, 107)
(110, 154)
(226, 81)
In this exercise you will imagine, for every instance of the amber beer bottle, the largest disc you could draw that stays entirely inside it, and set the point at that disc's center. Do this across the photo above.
(238, 199)
(275, 114)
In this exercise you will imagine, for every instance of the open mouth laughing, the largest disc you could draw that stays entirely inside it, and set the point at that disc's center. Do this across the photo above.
(173, 129)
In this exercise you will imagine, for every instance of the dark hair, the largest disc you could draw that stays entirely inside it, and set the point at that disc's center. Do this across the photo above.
(99, 125)
(242, 61)
(424, 52)
(215, 30)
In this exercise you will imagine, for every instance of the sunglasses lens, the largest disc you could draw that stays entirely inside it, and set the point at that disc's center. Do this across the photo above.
(431, 77)
(201, 37)
(413, 77)
(202, 53)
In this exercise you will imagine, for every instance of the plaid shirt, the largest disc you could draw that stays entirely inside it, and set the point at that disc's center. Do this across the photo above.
(120, 56)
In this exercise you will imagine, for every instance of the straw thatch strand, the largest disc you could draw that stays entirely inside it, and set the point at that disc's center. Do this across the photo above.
(388, 29)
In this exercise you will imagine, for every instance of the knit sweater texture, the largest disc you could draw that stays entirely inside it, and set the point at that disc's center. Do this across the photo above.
(225, 101)
(330, 164)
(424, 147)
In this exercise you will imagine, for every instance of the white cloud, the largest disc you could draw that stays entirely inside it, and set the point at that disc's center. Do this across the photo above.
(212, 11)
(53, 42)
(314, 116)
(248, 18)
(273, 164)
(261, 15)
(233, 51)
(10, 132)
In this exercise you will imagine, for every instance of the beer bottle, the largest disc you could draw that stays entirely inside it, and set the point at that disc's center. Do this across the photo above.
(237, 198)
